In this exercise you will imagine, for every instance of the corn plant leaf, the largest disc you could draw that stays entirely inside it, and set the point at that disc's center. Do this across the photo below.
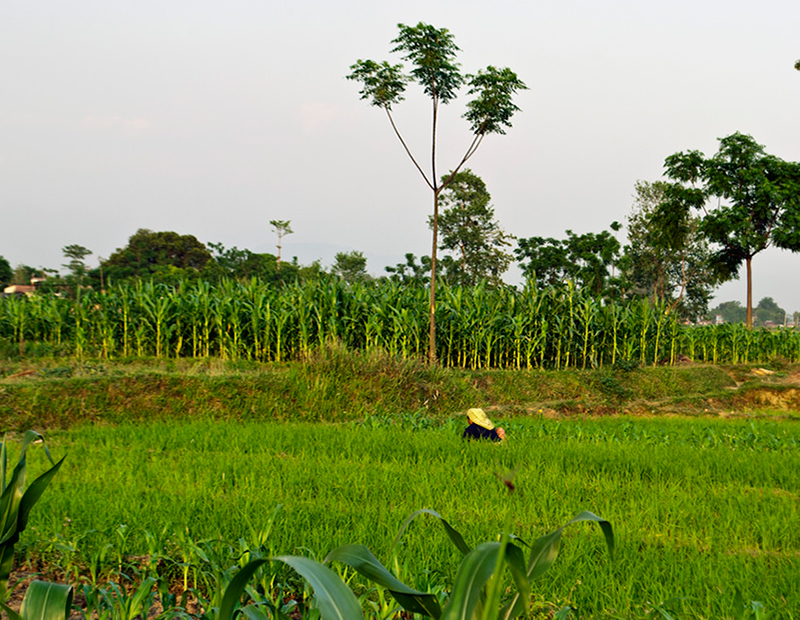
(6, 564)
(544, 551)
(475, 570)
(361, 559)
(139, 598)
(14, 491)
(33, 493)
(605, 527)
(230, 599)
(563, 613)
(452, 533)
(16, 503)
(46, 601)
(334, 599)
(516, 564)
(3, 463)
(12, 615)
(253, 612)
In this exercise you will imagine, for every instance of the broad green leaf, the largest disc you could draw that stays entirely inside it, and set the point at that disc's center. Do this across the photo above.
(473, 573)
(46, 601)
(361, 559)
(455, 537)
(334, 599)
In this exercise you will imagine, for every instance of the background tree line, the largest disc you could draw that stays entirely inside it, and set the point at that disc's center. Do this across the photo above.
(685, 236)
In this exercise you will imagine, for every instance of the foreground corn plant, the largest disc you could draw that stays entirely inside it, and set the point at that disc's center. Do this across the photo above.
(476, 593)
(41, 599)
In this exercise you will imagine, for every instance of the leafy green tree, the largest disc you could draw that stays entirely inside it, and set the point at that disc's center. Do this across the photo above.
(6, 273)
(281, 228)
(768, 310)
(411, 272)
(667, 258)
(730, 311)
(468, 228)
(797, 65)
(757, 202)
(163, 255)
(585, 259)
(351, 267)
(432, 54)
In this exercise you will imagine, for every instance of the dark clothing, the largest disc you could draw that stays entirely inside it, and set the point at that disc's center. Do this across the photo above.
(473, 431)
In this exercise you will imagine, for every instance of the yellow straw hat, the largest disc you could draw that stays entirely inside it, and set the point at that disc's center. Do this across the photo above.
(477, 416)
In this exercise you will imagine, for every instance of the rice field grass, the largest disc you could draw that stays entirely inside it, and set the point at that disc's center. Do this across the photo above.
(702, 508)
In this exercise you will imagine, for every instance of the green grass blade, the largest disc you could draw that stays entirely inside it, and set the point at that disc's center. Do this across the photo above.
(334, 598)
(452, 533)
(46, 601)
(475, 570)
(361, 559)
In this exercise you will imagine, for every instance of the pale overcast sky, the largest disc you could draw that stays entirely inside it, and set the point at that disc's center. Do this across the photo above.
(211, 118)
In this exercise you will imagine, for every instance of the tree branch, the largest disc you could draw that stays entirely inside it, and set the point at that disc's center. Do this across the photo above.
(476, 142)
(405, 146)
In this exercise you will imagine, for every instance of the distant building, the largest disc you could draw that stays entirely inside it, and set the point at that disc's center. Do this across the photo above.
(19, 289)
(23, 289)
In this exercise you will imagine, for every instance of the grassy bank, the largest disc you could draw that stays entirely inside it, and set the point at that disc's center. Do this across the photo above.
(336, 385)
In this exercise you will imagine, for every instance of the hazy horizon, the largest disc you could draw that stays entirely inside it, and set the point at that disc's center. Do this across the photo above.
(212, 119)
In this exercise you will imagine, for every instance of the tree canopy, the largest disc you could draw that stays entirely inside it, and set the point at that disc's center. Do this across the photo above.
(149, 253)
(666, 257)
(468, 229)
(350, 266)
(584, 259)
(750, 201)
(6, 273)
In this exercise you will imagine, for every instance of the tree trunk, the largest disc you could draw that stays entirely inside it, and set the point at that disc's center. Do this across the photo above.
(432, 308)
(748, 262)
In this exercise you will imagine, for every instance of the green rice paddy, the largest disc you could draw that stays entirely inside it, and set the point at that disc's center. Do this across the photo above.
(701, 508)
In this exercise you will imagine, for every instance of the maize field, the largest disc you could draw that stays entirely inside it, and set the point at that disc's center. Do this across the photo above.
(477, 327)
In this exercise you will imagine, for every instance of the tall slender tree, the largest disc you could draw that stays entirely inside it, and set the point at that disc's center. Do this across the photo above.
(281, 228)
(76, 253)
(432, 54)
